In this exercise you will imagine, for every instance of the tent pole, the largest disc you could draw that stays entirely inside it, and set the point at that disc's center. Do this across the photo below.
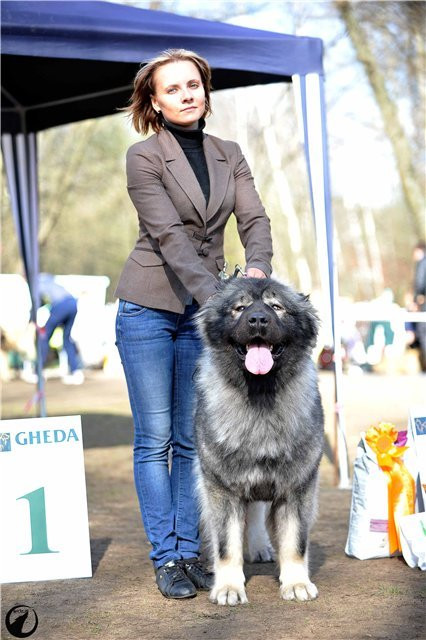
(20, 159)
(34, 218)
(339, 420)
(341, 463)
(309, 92)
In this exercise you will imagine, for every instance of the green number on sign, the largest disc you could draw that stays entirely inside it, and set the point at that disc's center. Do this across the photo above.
(38, 522)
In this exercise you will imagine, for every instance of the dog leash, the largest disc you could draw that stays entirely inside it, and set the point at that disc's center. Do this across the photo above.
(237, 271)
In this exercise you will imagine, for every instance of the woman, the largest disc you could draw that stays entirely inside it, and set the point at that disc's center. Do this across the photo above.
(184, 185)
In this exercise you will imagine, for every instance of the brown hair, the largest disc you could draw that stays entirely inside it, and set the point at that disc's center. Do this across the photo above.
(140, 109)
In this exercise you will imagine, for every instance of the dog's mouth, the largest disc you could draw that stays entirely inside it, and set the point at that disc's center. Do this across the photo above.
(258, 356)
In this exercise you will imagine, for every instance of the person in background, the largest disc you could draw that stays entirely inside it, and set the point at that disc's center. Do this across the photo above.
(63, 310)
(419, 257)
(184, 185)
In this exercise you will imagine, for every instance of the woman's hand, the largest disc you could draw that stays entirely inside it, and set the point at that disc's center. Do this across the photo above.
(255, 273)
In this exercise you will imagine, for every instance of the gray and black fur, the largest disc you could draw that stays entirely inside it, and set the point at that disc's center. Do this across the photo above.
(259, 437)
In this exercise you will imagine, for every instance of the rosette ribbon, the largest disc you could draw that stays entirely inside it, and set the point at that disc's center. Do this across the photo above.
(401, 488)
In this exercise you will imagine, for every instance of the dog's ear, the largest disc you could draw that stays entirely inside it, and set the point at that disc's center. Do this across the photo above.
(304, 297)
(208, 312)
(220, 285)
(308, 317)
(311, 324)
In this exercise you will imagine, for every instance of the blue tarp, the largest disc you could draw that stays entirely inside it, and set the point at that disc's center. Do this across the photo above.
(67, 61)
(114, 32)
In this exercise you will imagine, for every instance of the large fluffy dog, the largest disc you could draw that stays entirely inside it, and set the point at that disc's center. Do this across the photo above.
(259, 426)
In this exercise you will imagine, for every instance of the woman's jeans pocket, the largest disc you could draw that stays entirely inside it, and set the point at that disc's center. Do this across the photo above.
(130, 309)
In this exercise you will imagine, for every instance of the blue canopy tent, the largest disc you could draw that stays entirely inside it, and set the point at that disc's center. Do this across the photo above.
(67, 61)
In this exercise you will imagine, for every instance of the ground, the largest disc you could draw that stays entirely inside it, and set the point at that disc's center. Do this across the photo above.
(380, 599)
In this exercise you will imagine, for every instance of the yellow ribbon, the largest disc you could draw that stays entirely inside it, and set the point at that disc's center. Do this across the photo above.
(401, 488)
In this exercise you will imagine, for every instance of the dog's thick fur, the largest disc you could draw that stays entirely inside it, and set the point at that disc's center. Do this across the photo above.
(259, 437)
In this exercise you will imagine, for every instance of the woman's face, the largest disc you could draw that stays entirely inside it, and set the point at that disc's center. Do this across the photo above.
(179, 93)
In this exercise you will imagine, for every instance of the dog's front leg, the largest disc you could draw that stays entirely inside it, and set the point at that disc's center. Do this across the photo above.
(228, 522)
(290, 535)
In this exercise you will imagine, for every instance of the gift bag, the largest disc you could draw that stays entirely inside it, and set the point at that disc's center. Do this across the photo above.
(417, 442)
(383, 491)
(368, 522)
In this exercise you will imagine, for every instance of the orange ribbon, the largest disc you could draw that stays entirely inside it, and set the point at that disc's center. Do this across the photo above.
(401, 488)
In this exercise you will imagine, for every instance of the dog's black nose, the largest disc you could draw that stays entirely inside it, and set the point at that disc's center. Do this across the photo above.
(258, 320)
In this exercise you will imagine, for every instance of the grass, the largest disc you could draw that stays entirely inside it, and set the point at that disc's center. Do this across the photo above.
(386, 590)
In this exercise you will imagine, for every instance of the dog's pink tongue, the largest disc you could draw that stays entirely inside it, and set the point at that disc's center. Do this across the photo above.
(258, 360)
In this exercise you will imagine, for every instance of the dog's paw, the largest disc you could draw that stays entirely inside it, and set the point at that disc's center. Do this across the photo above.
(301, 592)
(228, 595)
(263, 553)
(228, 586)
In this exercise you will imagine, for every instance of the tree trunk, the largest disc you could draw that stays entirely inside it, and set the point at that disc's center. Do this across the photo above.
(411, 188)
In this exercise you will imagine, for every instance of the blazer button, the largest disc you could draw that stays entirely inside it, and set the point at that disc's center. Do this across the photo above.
(205, 251)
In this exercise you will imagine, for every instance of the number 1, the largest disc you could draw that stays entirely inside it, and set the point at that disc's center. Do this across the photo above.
(38, 522)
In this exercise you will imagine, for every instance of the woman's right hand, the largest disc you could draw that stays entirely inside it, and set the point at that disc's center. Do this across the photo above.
(253, 272)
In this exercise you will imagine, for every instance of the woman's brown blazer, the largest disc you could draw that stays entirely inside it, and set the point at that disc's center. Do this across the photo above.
(179, 252)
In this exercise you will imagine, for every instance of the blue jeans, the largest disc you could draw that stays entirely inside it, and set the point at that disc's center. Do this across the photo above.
(62, 314)
(159, 350)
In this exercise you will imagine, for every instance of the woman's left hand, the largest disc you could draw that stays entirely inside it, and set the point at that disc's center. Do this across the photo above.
(255, 273)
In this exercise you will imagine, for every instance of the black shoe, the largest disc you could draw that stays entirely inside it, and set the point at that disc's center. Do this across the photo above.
(195, 571)
(172, 581)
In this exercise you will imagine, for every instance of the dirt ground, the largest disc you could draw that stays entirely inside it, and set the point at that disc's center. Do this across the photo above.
(380, 599)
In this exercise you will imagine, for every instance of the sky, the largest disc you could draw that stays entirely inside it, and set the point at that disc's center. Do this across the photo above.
(362, 167)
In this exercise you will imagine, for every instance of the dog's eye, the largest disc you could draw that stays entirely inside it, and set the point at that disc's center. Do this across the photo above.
(277, 307)
(240, 309)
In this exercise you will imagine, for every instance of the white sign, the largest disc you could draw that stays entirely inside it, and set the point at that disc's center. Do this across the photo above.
(417, 425)
(44, 532)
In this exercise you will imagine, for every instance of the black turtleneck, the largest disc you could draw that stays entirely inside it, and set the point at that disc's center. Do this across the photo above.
(191, 141)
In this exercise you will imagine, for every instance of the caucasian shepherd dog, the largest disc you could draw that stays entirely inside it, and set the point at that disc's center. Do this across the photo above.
(259, 427)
